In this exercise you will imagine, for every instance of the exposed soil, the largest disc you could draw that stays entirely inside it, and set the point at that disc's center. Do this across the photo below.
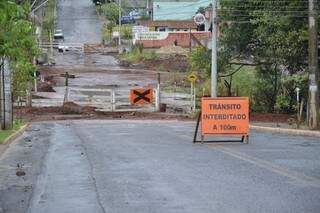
(269, 117)
(71, 110)
(46, 86)
(169, 64)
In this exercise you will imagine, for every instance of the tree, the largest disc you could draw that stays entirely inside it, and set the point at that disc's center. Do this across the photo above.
(111, 11)
(17, 42)
(273, 35)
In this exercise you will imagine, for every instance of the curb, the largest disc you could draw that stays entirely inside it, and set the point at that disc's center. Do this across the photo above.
(296, 132)
(12, 137)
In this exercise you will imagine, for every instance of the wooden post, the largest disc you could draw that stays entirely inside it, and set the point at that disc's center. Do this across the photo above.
(66, 95)
(298, 107)
(113, 100)
(190, 45)
(158, 94)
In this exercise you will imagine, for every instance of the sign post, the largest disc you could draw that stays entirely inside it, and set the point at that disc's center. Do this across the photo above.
(193, 78)
(224, 117)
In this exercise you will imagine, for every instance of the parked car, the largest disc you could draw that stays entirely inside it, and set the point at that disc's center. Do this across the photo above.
(63, 48)
(58, 35)
(135, 14)
(127, 20)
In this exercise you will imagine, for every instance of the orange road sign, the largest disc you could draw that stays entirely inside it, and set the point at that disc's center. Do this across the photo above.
(225, 116)
(141, 96)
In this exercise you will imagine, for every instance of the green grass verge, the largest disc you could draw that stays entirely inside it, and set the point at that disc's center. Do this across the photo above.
(136, 56)
(126, 32)
(4, 134)
(245, 81)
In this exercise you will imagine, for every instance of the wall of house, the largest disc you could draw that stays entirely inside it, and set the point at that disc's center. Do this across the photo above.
(177, 10)
(182, 38)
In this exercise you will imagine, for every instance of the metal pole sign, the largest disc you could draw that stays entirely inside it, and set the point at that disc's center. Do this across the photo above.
(224, 117)
(192, 78)
(199, 19)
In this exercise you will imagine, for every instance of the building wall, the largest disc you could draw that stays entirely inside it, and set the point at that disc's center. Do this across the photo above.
(182, 38)
(177, 10)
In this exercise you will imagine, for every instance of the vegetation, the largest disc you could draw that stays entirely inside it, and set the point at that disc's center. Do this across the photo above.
(49, 20)
(17, 43)
(137, 54)
(267, 42)
(111, 12)
(126, 32)
(4, 134)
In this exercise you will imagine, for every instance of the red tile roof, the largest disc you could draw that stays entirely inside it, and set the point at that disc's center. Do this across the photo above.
(170, 24)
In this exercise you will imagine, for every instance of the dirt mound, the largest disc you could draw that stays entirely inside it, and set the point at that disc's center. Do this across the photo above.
(88, 110)
(174, 63)
(169, 50)
(45, 87)
(73, 108)
(65, 113)
(269, 117)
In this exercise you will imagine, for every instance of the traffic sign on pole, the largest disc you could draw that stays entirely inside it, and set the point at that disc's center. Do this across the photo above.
(192, 77)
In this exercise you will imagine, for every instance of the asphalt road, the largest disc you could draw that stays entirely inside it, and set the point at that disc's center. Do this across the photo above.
(78, 21)
(152, 166)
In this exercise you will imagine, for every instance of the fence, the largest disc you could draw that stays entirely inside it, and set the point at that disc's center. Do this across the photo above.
(76, 47)
(114, 99)
(175, 95)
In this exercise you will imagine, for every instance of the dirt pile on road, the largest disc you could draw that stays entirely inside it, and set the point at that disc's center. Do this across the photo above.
(45, 87)
(72, 111)
(73, 108)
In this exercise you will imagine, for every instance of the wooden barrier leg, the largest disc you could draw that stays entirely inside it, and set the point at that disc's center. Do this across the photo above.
(197, 128)
(245, 139)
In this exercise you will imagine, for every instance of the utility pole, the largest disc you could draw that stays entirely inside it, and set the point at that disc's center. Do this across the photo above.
(119, 23)
(1, 92)
(158, 94)
(190, 44)
(313, 67)
(6, 95)
(214, 59)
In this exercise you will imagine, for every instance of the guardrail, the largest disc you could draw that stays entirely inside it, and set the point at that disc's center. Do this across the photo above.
(65, 46)
(107, 99)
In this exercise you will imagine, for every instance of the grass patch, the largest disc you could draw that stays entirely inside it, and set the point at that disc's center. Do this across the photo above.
(126, 32)
(171, 89)
(135, 56)
(245, 81)
(4, 134)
